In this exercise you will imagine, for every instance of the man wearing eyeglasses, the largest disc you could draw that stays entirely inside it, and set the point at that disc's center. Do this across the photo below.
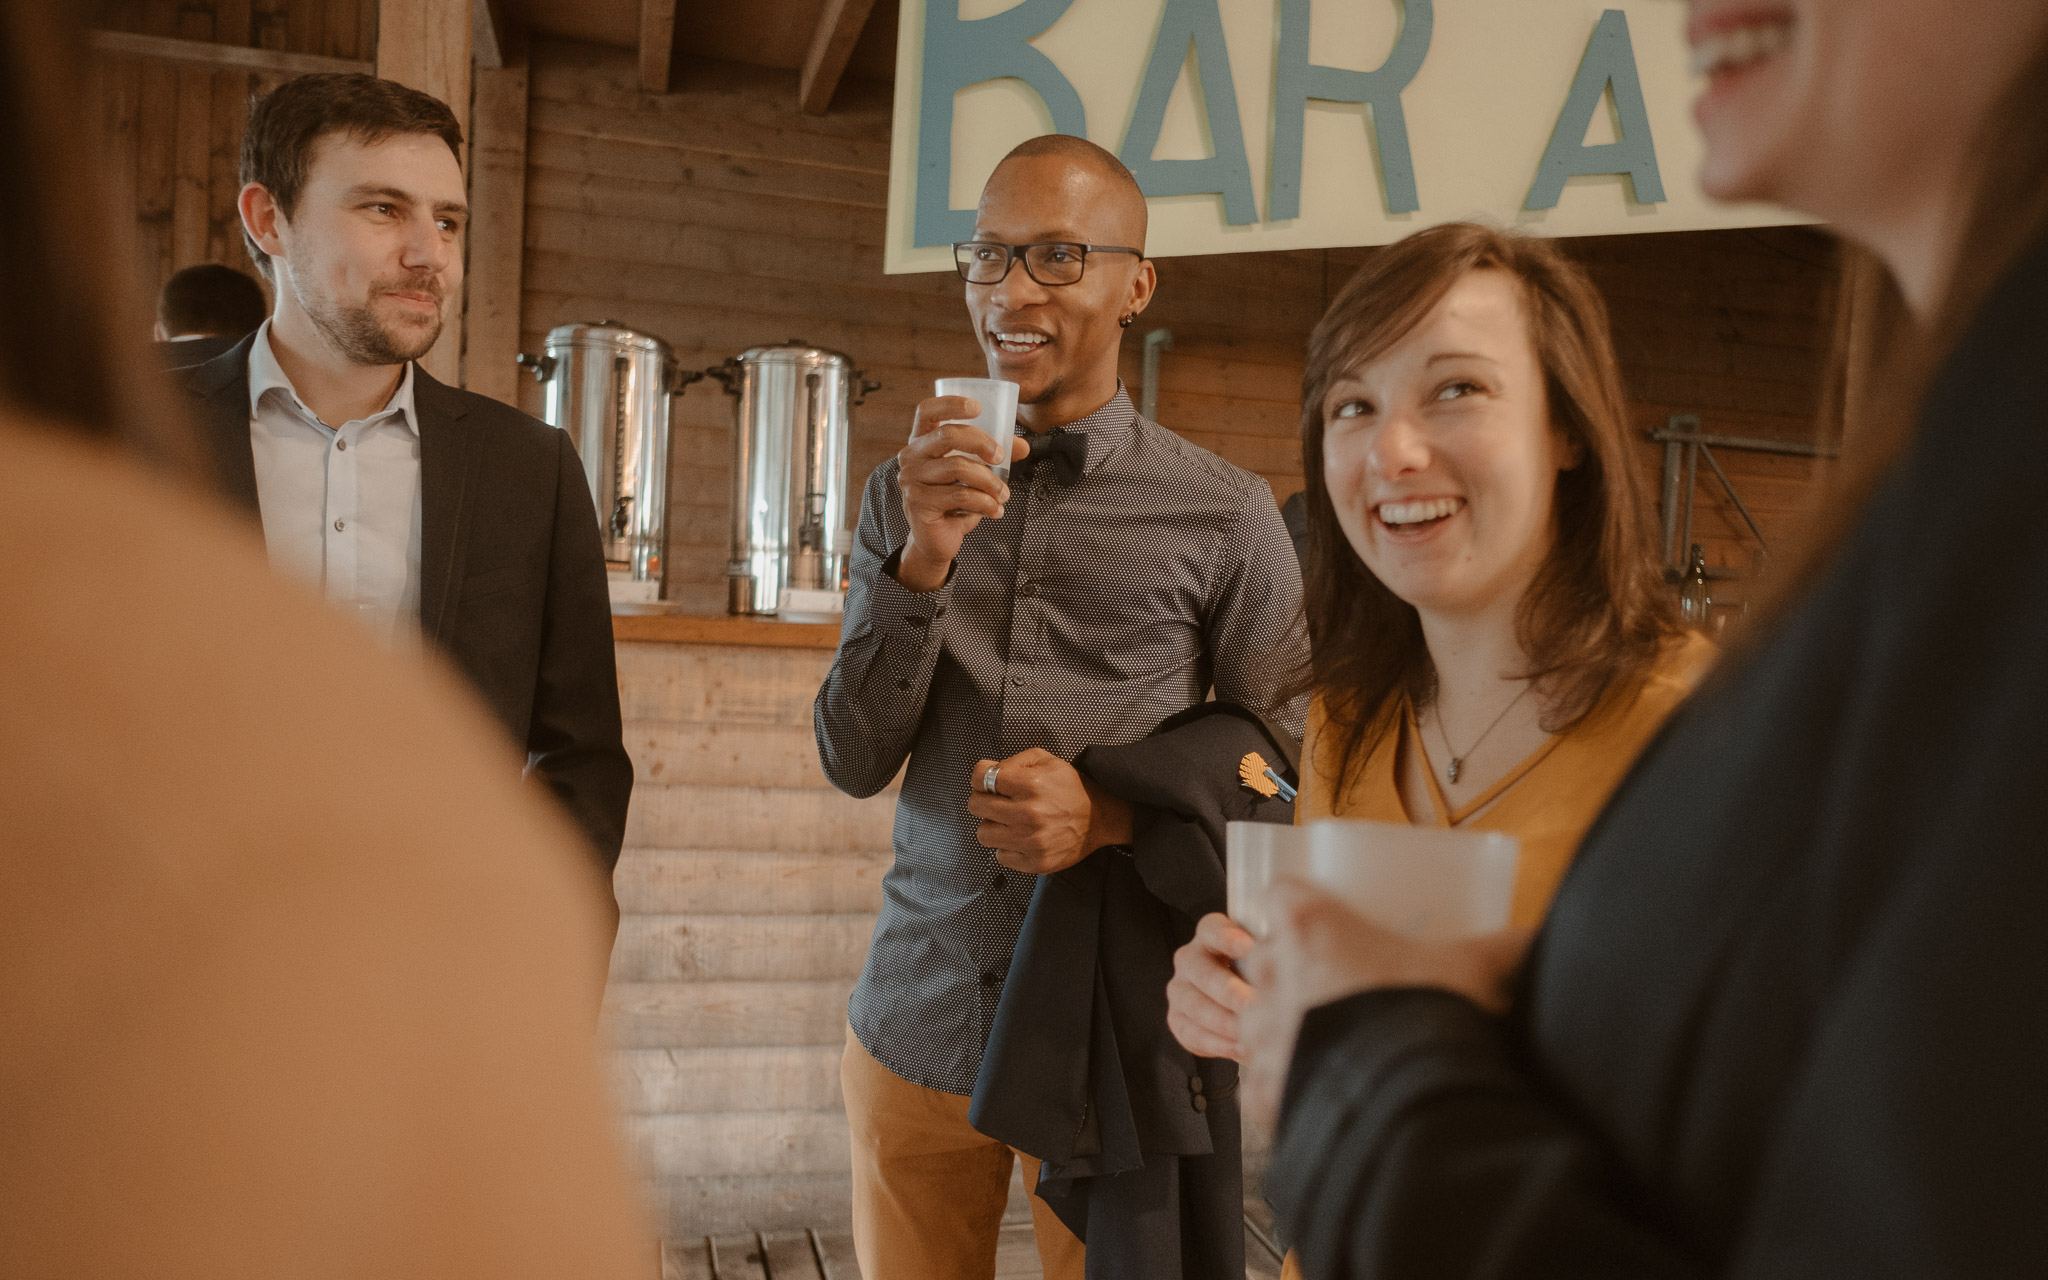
(992, 632)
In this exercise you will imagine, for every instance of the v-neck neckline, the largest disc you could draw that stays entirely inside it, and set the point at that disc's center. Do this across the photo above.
(1445, 815)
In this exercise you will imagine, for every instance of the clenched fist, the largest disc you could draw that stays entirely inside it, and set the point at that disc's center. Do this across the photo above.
(1044, 816)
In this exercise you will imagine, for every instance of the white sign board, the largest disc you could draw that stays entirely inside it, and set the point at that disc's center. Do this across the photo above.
(1302, 124)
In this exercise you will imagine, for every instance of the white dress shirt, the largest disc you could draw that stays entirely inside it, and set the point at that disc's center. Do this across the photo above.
(341, 505)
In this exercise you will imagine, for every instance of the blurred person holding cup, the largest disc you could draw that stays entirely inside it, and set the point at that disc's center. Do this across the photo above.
(1783, 1018)
(1493, 643)
(996, 627)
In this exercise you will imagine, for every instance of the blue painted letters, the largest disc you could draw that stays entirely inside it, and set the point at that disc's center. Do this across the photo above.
(1610, 61)
(958, 54)
(1298, 80)
(1228, 172)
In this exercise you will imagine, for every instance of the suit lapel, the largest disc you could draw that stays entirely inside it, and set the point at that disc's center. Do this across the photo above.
(449, 458)
(221, 388)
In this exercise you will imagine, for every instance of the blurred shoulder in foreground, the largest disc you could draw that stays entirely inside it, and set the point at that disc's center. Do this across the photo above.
(295, 979)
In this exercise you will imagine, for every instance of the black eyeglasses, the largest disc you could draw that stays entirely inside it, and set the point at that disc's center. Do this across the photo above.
(985, 262)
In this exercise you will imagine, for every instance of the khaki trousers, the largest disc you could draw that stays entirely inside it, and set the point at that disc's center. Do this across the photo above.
(928, 1190)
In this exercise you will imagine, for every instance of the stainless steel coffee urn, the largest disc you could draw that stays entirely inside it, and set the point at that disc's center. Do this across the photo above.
(609, 387)
(790, 519)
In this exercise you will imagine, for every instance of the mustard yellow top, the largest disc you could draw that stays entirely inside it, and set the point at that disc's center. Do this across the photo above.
(1547, 801)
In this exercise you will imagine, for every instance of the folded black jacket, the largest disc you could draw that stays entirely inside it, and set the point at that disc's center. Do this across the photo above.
(1139, 1138)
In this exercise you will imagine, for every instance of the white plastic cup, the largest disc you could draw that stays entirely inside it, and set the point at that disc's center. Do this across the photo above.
(997, 419)
(1424, 882)
(1256, 854)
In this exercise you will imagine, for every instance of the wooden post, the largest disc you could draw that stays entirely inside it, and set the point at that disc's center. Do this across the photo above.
(497, 228)
(425, 44)
(657, 44)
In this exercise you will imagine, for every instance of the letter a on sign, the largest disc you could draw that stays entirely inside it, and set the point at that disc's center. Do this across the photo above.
(1228, 172)
(958, 54)
(1610, 63)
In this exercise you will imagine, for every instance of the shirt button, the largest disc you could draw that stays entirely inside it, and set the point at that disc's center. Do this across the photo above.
(1201, 1104)
(341, 444)
(903, 684)
(991, 980)
(1018, 681)
(997, 883)
(1028, 589)
(1194, 1084)
(339, 525)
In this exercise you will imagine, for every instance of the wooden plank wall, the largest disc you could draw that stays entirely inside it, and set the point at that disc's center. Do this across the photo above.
(174, 133)
(721, 217)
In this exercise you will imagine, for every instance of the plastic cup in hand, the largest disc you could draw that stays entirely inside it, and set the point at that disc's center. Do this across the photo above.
(1255, 854)
(997, 419)
(1424, 882)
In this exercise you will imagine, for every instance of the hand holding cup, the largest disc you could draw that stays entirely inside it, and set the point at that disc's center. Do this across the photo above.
(948, 485)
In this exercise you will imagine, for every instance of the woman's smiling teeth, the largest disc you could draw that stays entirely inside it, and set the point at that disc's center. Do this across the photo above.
(1399, 514)
(1020, 343)
(1740, 46)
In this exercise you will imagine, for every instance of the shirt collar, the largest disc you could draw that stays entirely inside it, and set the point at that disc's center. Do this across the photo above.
(265, 374)
(1107, 428)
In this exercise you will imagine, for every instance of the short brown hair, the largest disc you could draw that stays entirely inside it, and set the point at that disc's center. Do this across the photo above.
(1598, 613)
(289, 121)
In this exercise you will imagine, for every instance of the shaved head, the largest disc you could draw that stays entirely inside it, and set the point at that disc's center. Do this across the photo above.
(1117, 187)
(1059, 342)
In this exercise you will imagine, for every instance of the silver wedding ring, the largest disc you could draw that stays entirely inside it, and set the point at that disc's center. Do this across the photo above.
(988, 779)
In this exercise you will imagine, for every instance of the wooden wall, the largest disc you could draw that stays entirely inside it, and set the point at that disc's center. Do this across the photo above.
(719, 217)
(174, 132)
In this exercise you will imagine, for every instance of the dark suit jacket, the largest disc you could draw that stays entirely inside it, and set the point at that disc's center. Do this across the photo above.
(190, 351)
(1142, 1151)
(512, 577)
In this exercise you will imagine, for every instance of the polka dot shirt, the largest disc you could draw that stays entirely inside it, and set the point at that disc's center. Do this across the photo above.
(1089, 613)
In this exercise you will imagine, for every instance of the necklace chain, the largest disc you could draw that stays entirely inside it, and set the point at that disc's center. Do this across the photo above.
(1458, 760)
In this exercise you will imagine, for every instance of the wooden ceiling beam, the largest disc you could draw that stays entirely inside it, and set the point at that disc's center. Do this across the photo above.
(657, 44)
(222, 57)
(490, 34)
(839, 28)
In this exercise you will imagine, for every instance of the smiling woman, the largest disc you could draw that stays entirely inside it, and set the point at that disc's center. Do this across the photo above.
(1480, 575)
(1491, 641)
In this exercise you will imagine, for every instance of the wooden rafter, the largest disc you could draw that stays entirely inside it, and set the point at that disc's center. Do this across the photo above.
(839, 28)
(226, 57)
(489, 33)
(657, 44)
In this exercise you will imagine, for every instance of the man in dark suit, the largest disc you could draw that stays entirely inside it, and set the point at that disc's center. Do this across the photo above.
(203, 310)
(421, 509)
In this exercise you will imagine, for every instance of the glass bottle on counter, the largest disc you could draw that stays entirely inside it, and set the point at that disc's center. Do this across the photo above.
(1693, 600)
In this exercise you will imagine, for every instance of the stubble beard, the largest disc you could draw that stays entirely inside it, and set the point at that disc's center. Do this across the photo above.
(359, 335)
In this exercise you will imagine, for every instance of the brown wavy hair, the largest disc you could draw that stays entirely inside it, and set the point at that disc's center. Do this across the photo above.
(1884, 357)
(1598, 612)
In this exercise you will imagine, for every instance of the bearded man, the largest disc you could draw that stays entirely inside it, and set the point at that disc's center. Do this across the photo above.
(422, 510)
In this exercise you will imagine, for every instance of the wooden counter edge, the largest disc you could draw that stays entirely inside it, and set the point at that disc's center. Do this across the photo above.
(697, 628)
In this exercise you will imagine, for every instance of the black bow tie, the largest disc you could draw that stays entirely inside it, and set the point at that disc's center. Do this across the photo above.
(1068, 451)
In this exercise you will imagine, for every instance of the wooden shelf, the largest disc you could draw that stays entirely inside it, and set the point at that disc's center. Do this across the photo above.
(697, 628)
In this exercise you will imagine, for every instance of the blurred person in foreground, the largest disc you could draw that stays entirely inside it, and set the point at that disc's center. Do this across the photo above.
(253, 1022)
(1493, 643)
(992, 633)
(422, 509)
(203, 310)
(1784, 1018)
